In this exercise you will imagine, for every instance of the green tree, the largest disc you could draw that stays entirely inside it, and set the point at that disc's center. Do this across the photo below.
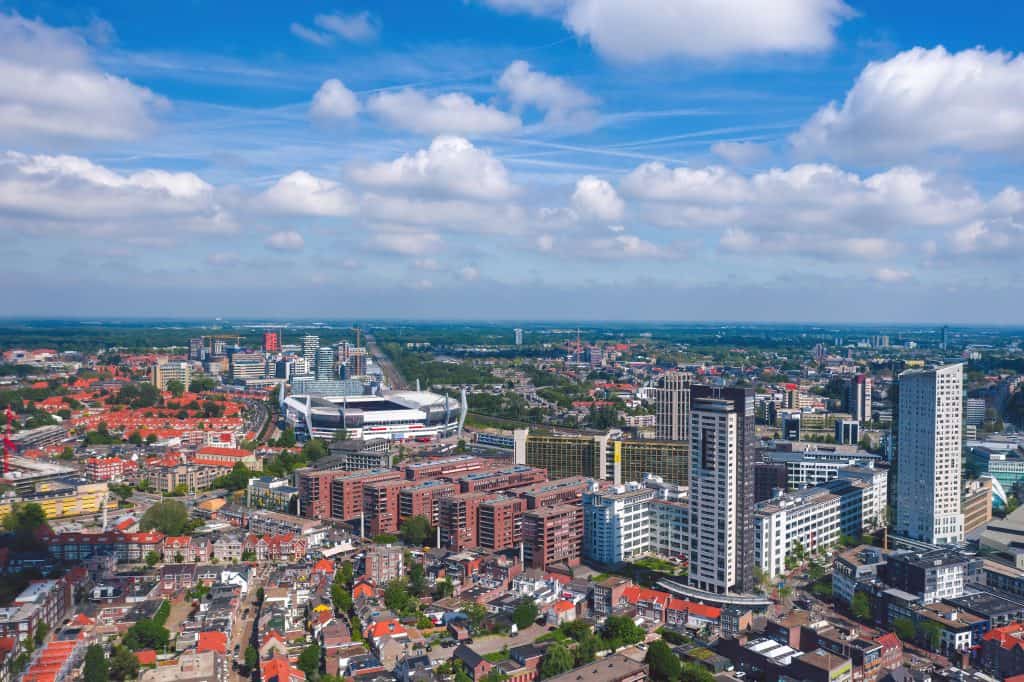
(260, 594)
(929, 634)
(397, 596)
(67, 453)
(123, 664)
(416, 530)
(146, 634)
(170, 517)
(476, 614)
(443, 588)
(24, 521)
(525, 614)
(39, 636)
(309, 661)
(152, 559)
(287, 438)
(691, 672)
(860, 606)
(346, 575)
(135, 438)
(417, 578)
(340, 434)
(151, 438)
(557, 660)
(200, 384)
(664, 665)
(175, 388)
(587, 648)
(96, 669)
(904, 629)
(341, 598)
(619, 631)
(314, 449)
(252, 657)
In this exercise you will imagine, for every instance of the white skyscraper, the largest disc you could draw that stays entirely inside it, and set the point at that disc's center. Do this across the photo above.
(714, 494)
(928, 457)
(672, 406)
(519, 336)
(310, 345)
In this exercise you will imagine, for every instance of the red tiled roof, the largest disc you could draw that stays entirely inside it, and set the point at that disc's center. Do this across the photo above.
(1008, 636)
(146, 657)
(562, 606)
(280, 669)
(889, 640)
(383, 628)
(212, 641)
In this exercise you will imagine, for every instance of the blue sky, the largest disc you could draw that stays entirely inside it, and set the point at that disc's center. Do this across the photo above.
(514, 159)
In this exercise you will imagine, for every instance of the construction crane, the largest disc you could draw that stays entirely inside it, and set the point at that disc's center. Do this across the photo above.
(8, 443)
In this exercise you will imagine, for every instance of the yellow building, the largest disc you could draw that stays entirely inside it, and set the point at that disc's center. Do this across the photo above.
(60, 499)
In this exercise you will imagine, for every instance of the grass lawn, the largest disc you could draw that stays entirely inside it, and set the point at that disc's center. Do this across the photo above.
(655, 564)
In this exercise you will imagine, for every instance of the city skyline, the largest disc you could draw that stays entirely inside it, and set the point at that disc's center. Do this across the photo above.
(832, 161)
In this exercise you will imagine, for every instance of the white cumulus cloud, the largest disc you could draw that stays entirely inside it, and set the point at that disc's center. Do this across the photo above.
(643, 30)
(451, 165)
(334, 101)
(597, 198)
(561, 102)
(923, 100)
(454, 113)
(45, 192)
(51, 88)
(301, 193)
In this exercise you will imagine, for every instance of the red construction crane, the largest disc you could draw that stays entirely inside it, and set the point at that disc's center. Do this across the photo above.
(8, 443)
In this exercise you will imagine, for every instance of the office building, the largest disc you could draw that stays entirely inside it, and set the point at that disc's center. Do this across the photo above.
(847, 432)
(769, 477)
(974, 411)
(616, 523)
(248, 366)
(977, 503)
(672, 406)
(814, 467)
(197, 348)
(934, 575)
(928, 457)
(308, 346)
(602, 457)
(858, 398)
(355, 365)
(629, 460)
(518, 336)
(721, 489)
(171, 371)
(670, 521)
(325, 363)
(275, 494)
(876, 497)
(553, 535)
(562, 456)
(806, 519)
(271, 342)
